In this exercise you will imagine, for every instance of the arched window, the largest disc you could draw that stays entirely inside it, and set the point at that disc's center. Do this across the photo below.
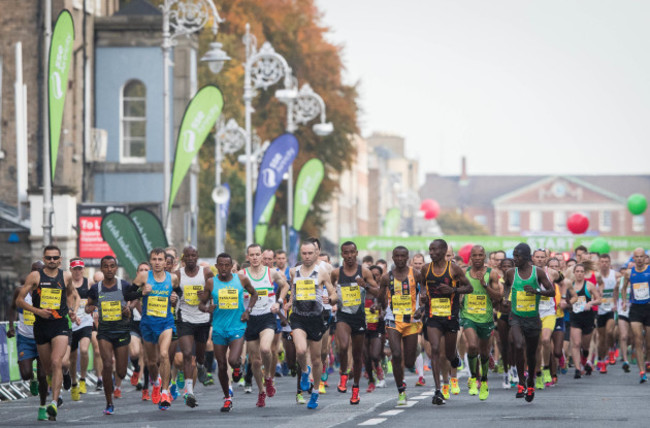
(134, 121)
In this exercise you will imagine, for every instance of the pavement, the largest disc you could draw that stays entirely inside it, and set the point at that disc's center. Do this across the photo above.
(598, 400)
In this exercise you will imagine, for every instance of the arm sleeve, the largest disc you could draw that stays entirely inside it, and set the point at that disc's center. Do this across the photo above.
(131, 291)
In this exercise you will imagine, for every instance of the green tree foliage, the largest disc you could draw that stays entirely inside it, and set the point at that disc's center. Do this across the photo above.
(453, 223)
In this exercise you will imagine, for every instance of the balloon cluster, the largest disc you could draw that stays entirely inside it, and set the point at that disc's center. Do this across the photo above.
(431, 208)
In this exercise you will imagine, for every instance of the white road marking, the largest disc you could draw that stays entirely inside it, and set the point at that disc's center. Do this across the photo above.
(408, 404)
(418, 397)
(391, 413)
(429, 393)
(373, 421)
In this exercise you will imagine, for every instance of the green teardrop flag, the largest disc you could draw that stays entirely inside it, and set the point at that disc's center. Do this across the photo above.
(150, 228)
(391, 222)
(263, 225)
(57, 86)
(200, 116)
(309, 179)
(124, 239)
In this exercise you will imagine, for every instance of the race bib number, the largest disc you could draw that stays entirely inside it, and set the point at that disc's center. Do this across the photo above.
(28, 318)
(112, 310)
(83, 303)
(526, 301)
(351, 295)
(579, 305)
(440, 307)
(191, 294)
(305, 289)
(476, 304)
(372, 318)
(402, 304)
(262, 298)
(228, 299)
(607, 303)
(51, 298)
(157, 306)
(641, 291)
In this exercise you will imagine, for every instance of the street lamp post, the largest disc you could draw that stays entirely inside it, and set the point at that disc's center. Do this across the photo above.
(262, 69)
(302, 108)
(184, 17)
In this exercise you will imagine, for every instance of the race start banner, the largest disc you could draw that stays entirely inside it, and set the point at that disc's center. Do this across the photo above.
(309, 180)
(57, 86)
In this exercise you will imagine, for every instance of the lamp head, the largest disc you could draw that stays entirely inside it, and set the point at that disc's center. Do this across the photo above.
(215, 57)
(323, 129)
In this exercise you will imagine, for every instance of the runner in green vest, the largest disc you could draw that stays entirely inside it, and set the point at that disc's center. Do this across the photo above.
(522, 284)
(476, 318)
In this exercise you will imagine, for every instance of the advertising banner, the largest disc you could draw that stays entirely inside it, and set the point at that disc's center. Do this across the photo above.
(92, 246)
(263, 226)
(391, 222)
(125, 241)
(309, 179)
(150, 228)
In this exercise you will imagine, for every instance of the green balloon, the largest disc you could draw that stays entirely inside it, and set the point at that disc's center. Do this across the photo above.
(599, 245)
(637, 203)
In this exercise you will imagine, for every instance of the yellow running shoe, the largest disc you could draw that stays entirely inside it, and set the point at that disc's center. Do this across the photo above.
(539, 382)
(445, 391)
(473, 387)
(455, 389)
(75, 394)
(485, 392)
(321, 388)
(82, 386)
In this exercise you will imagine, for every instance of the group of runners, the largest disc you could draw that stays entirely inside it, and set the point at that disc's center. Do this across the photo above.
(530, 315)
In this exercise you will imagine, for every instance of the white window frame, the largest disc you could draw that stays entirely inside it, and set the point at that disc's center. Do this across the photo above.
(638, 223)
(538, 224)
(559, 221)
(604, 226)
(123, 157)
(512, 227)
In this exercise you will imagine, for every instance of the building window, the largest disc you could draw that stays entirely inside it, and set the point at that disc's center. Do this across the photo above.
(605, 221)
(535, 221)
(133, 117)
(559, 221)
(514, 221)
(638, 223)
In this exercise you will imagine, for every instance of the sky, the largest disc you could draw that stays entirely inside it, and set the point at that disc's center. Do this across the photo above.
(518, 87)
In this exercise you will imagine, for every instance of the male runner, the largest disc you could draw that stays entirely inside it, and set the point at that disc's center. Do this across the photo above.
(110, 297)
(260, 329)
(353, 282)
(193, 325)
(157, 324)
(140, 375)
(307, 279)
(374, 330)
(223, 296)
(547, 313)
(445, 282)
(638, 278)
(54, 299)
(82, 329)
(477, 318)
(623, 323)
(606, 320)
(522, 284)
(398, 295)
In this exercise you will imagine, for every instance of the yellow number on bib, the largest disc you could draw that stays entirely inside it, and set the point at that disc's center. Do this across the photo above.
(112, 310)
(305, 289)
(476, 304)
(51, 298)
(29, 318)
(526, 301)
(372, 318)
(351, 295)
(440, 307)
(228, 298)
(191, 294)
(402, 304)
(157, 306)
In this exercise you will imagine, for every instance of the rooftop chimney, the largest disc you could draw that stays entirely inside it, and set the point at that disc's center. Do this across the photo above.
(464, 179)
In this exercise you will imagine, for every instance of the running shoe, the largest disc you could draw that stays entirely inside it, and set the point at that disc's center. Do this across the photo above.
(626, 367)
(438, 399)
(539, 381)
(588, 368)
(491, 363)
(201, 373)
(355, 395)
(100, 385)
(506, 383)
(42, 413)
(59, 401)
(612, 358)
(236, 374)
(227, 405)
(33, 387)
(261, 399)
(270, 389)
(155, 394)
(173, 391)
(231, 393)
(313, 401)
(321, 388)
(555, 379)
(455, 389)
(521, 391)
(389, 367)
(248, 388)
(643, 378)
(300, 399)
(82, 386)
(577, 374)
(530, 394)
(165, 401)
(381, 383)
(473, 386)
(602, 369)
(67, 381)
(371, 387)
(117, 392)
(343, 384)
(445, 391)
(134, 378)
(401, 399)
(380, 372)
(145, 395)
(547, 378)
(484, 393)
(52, 411)
(74, 393)
(180, 379)
(514, 376)
(304, 379)
(109, 410)
(190, 400)
(209, 381)
(421, 381)
(138, 387)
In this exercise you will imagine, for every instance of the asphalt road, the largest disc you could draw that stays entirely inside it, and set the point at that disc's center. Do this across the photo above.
(594, 401)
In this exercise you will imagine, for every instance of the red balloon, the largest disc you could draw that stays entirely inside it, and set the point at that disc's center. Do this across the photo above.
(577, 223)
(428, 205)
(432, 211)
(465, 252)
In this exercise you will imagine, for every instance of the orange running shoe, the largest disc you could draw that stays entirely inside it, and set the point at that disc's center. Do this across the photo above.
(355, 395)
(155, 394)
(117, 393)
(371, 387)
(343, 387)
(145, 395)
(612, 358)
(134, 378)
